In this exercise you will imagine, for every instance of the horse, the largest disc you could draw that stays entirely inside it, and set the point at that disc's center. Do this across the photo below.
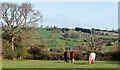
(72, 54)
(66, 56)
(92, 58)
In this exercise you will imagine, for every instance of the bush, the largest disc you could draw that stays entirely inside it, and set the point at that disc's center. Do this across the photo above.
(79, 56)
(56, 56)
(22, 52)
(12, 55)
(115, 55)
(39, 52)
(72, 34)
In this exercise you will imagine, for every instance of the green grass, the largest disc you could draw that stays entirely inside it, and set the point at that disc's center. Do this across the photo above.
(44, 34)
(0, 65)
(107, 48)
(57, 64)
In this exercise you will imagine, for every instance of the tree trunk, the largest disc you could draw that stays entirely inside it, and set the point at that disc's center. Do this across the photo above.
(12, 43)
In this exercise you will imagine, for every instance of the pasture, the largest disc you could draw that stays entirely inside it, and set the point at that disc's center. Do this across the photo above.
(44, 34)
(57, 64)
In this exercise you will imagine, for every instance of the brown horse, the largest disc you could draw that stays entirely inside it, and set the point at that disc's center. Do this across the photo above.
(66, 56)
(72, 54)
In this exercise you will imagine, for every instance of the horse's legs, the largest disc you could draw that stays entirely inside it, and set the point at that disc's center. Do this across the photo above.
(67, 60)
(73, 60)
(89, 61)
(92, 61)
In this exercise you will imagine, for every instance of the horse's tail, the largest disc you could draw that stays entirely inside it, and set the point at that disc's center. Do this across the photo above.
(68, 55)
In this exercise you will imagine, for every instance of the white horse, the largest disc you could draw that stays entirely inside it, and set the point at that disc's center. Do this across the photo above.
(92, 58)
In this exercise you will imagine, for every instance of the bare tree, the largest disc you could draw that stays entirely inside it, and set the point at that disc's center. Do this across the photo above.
(14, 17)
(95, 42)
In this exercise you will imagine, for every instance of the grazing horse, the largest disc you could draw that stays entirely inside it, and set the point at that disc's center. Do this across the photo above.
(72, 54)
(66, 56)
(92, 58)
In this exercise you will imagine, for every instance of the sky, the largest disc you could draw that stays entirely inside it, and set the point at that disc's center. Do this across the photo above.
(99, 14)
(60, 0)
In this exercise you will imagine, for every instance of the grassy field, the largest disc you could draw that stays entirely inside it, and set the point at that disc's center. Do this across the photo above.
(46, 33)
(57, 64)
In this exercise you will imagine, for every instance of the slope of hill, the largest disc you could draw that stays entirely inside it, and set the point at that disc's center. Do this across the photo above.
(54, 39)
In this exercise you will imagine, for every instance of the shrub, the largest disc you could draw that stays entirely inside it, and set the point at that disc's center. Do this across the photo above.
(22, 52)
(12, 55)
(38, 52)
(72, 34)
(56, 56)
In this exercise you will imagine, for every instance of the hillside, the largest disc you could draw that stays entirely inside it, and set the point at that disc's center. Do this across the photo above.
(54, 39)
